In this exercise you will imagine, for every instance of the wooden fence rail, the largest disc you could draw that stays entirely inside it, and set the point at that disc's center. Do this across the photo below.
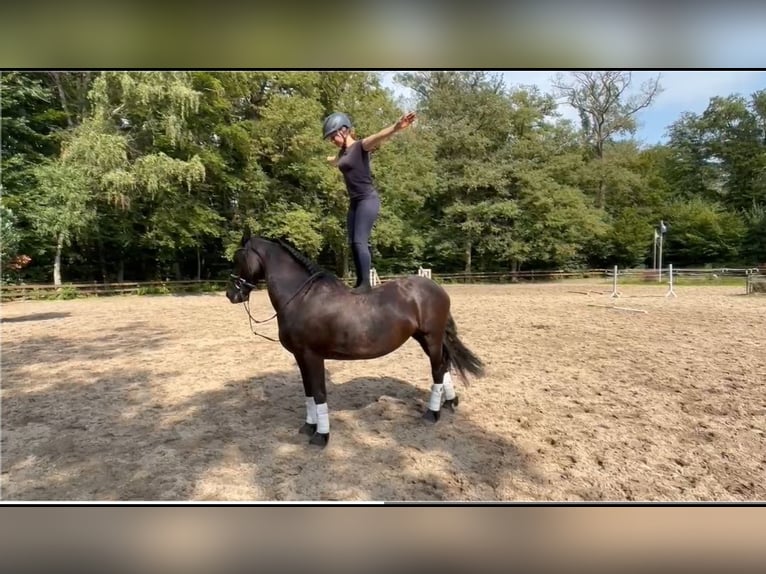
(13, 292)
(39, 291)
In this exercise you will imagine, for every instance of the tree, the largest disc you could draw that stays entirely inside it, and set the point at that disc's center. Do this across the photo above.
(606, 110)
(702, 231)
(72, 90)
(154, 174)
(734, 141)
(637, 199)
(62, 208)
(754, 242)
(555, 220)
(720, 156)
(29, 127)
(160, 184)
(9, 237)
(469, 118)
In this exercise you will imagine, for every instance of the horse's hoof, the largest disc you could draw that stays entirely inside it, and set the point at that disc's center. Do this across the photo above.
(431, 416)
(307, 429)
(451, 404)
(320, 439)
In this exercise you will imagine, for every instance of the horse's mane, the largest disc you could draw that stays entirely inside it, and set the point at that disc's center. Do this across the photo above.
(309, 265)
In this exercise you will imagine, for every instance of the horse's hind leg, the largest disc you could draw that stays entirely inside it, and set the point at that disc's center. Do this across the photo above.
(432, 345)
(450, 397)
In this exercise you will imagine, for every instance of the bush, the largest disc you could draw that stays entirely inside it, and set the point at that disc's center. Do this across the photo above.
(153, 290)
(66, 292)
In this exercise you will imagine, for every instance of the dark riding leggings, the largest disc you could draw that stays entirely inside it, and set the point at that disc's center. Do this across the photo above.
(362, 214)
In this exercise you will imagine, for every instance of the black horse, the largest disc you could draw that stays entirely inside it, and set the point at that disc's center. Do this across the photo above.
(320, 318)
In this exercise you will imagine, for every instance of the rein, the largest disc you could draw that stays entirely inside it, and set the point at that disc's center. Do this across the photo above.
(239, 282)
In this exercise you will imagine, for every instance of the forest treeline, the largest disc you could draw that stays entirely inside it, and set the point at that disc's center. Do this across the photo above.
(141, 175)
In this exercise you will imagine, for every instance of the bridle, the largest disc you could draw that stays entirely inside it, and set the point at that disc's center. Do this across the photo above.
(240, 282)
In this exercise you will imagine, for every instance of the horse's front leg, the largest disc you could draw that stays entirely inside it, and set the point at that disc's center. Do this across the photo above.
(317, 415)
(310, 426)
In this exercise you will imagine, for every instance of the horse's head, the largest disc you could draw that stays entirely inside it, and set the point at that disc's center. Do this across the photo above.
(248, 270)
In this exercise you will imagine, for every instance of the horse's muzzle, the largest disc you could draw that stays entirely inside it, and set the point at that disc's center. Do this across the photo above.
(240, 290)
(234, 295)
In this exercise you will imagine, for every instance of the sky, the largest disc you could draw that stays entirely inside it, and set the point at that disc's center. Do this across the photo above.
(682, 91)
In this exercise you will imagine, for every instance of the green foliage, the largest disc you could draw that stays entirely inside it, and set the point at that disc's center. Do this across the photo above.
(154, 290)
(719, 156)
(702, 231)
(556, 222)
(27, 122)
(754, 245)
(607, 108)
(11, 260)
(629, 240)
(61, 200)
(468, 118)
(66, 292)
(9, 236)
(143, 175)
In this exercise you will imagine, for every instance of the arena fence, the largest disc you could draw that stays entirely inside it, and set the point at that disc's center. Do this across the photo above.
(756, 284)
(755, 281)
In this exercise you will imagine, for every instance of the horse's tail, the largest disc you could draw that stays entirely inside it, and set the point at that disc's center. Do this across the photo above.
(457, 355)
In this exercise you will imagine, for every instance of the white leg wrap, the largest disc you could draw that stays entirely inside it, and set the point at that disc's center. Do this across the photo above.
(436, 397)
(323, 419)
(311, 411)
(449, 390)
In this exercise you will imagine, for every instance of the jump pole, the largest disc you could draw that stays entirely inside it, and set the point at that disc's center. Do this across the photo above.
(615, 293)
(670, 282)
(619, 308)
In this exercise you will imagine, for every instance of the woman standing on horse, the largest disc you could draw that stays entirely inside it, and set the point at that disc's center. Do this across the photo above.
(353, 160)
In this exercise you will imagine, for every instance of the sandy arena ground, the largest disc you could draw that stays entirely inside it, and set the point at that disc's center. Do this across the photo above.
(172, 398)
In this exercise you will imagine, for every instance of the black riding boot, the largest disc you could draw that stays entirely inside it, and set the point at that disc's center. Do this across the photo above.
(363, 261)
(363, 287)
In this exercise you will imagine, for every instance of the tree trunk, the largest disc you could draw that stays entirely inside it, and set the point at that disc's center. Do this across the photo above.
(57, 260)
(83, 94)
(199, 265)
(62, 94)
(600, 199)
(341, 261)
(177, 270)
(515, 265)
(468, 246)
(601, 191)
(101, 256)
(120, 271)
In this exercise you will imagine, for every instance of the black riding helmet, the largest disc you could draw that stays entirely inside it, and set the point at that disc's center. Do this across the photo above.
(334, 122)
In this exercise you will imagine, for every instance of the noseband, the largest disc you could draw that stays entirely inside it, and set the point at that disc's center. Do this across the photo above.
(240, 282)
